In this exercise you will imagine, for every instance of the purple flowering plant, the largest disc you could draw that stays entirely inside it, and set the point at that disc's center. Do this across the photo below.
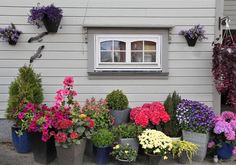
(38, 13)
(10, 33)
(195, 32)
(195, 116)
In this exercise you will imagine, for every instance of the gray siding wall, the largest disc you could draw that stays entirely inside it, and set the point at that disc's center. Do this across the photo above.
(230, 10)
(66, 52)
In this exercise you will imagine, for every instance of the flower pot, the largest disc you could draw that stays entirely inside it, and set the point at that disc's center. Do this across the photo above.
(201, 140)
(153, 159)
(102, 154)
(175, 138)
(21, 143)
(133, 142)
(120, 116)
(123, 162)
(43, 152)
(11, 42)
(89, 148)
(225, 151)
(72, 155)
(50, 25)
(183, 159)
(191, 41)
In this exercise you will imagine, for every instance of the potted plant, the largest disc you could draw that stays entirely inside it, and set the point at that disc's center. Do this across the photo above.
(172, 128)
(149, 115)
(99, 112)
(156, 145)
(127, 134)
(10, 34)
(102, 140)
(118, 105)
(195, 120)
(124, 154)
(24, 89)
(193, 34)
(183, 150)
(49, 15)
(71, 127)
(224, 134)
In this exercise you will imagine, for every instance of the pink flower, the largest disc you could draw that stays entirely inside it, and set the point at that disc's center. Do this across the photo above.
(227, 115)
(21, 115)
(234, 151)
(68, 81)
(211, 144)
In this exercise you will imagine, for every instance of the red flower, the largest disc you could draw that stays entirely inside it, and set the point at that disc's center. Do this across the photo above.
(60, 137)
(91, 122)
(141, 119)
(65, 124)
(74, 135)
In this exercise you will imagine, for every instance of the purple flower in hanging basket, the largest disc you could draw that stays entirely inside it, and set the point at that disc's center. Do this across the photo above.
(37, 14)
(10, 33)
(195, 32)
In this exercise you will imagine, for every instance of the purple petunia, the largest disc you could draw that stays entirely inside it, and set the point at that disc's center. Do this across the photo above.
(10, 33)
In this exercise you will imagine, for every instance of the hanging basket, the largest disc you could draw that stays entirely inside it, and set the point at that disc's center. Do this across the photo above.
(51, 26)
(191, 41)
(11, 42)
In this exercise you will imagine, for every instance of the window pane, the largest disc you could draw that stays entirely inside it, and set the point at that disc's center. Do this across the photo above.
(106, 45)
(150, 57)
(136, 57)
(119, 56)
(106, 56)
(149, 45)
(119, 45)
(137, 45)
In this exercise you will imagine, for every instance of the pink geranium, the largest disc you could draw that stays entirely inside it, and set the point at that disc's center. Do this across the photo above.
(68, 81)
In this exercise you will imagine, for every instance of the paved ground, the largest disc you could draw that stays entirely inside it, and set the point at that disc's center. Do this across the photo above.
(8, 156)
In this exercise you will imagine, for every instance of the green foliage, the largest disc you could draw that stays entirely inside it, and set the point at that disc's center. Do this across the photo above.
(172, 127)
(124, 152)
(127, 131)
(117, 100)
(102, 138)
(25, 88)
(184, 146)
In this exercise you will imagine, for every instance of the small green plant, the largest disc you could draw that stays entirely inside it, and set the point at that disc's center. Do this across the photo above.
(127, 131)
(26, 88)
(179, 147)
(172, 128)
(124, 153)
(102, 138)
(117, 100)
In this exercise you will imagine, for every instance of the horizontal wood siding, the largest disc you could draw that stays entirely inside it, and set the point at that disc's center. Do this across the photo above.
(230, 10)
(66, 52)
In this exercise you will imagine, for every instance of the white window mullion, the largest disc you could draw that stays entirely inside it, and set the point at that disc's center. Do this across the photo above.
(128, 51)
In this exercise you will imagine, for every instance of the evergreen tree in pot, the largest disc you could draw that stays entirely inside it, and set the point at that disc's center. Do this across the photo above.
(102, 141)
(172, 128)
(26, 88)
(118, 105)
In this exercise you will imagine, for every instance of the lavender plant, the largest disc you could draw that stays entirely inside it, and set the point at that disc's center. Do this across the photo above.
(195, 32)
(38, 13)
(10, 34)
(195, 116)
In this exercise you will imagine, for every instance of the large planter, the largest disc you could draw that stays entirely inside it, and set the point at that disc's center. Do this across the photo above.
(153, 159)
(102, 154)
(43, 152)
(201, 140)
(191, 42)
(225, 151)
(72, 155)
(124, 162)
(21, 143)
(89, 148)
(50, 25)
(120, 116)
(183, 159)
(133, 142)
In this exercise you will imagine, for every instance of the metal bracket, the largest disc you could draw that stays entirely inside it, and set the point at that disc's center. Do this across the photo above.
(223, 21)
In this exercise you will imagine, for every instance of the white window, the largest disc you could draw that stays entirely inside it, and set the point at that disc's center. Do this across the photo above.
(127, 52)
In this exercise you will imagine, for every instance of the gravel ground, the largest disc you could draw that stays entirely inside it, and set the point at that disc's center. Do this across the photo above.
(8, 156)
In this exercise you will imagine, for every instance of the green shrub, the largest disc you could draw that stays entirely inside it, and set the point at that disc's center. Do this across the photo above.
(25, 88)
(117, 100)
(127, 131)
(172, 128)
(102, 138)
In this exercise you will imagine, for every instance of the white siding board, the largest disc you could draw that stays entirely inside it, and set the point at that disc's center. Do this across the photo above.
(66, 52)
(230, 10)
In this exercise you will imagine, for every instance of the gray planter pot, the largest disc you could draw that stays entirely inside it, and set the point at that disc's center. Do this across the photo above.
(201, 140)
(133, 142)
(120, 116)
(89, 149)
(183, 159)
(72, 155)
